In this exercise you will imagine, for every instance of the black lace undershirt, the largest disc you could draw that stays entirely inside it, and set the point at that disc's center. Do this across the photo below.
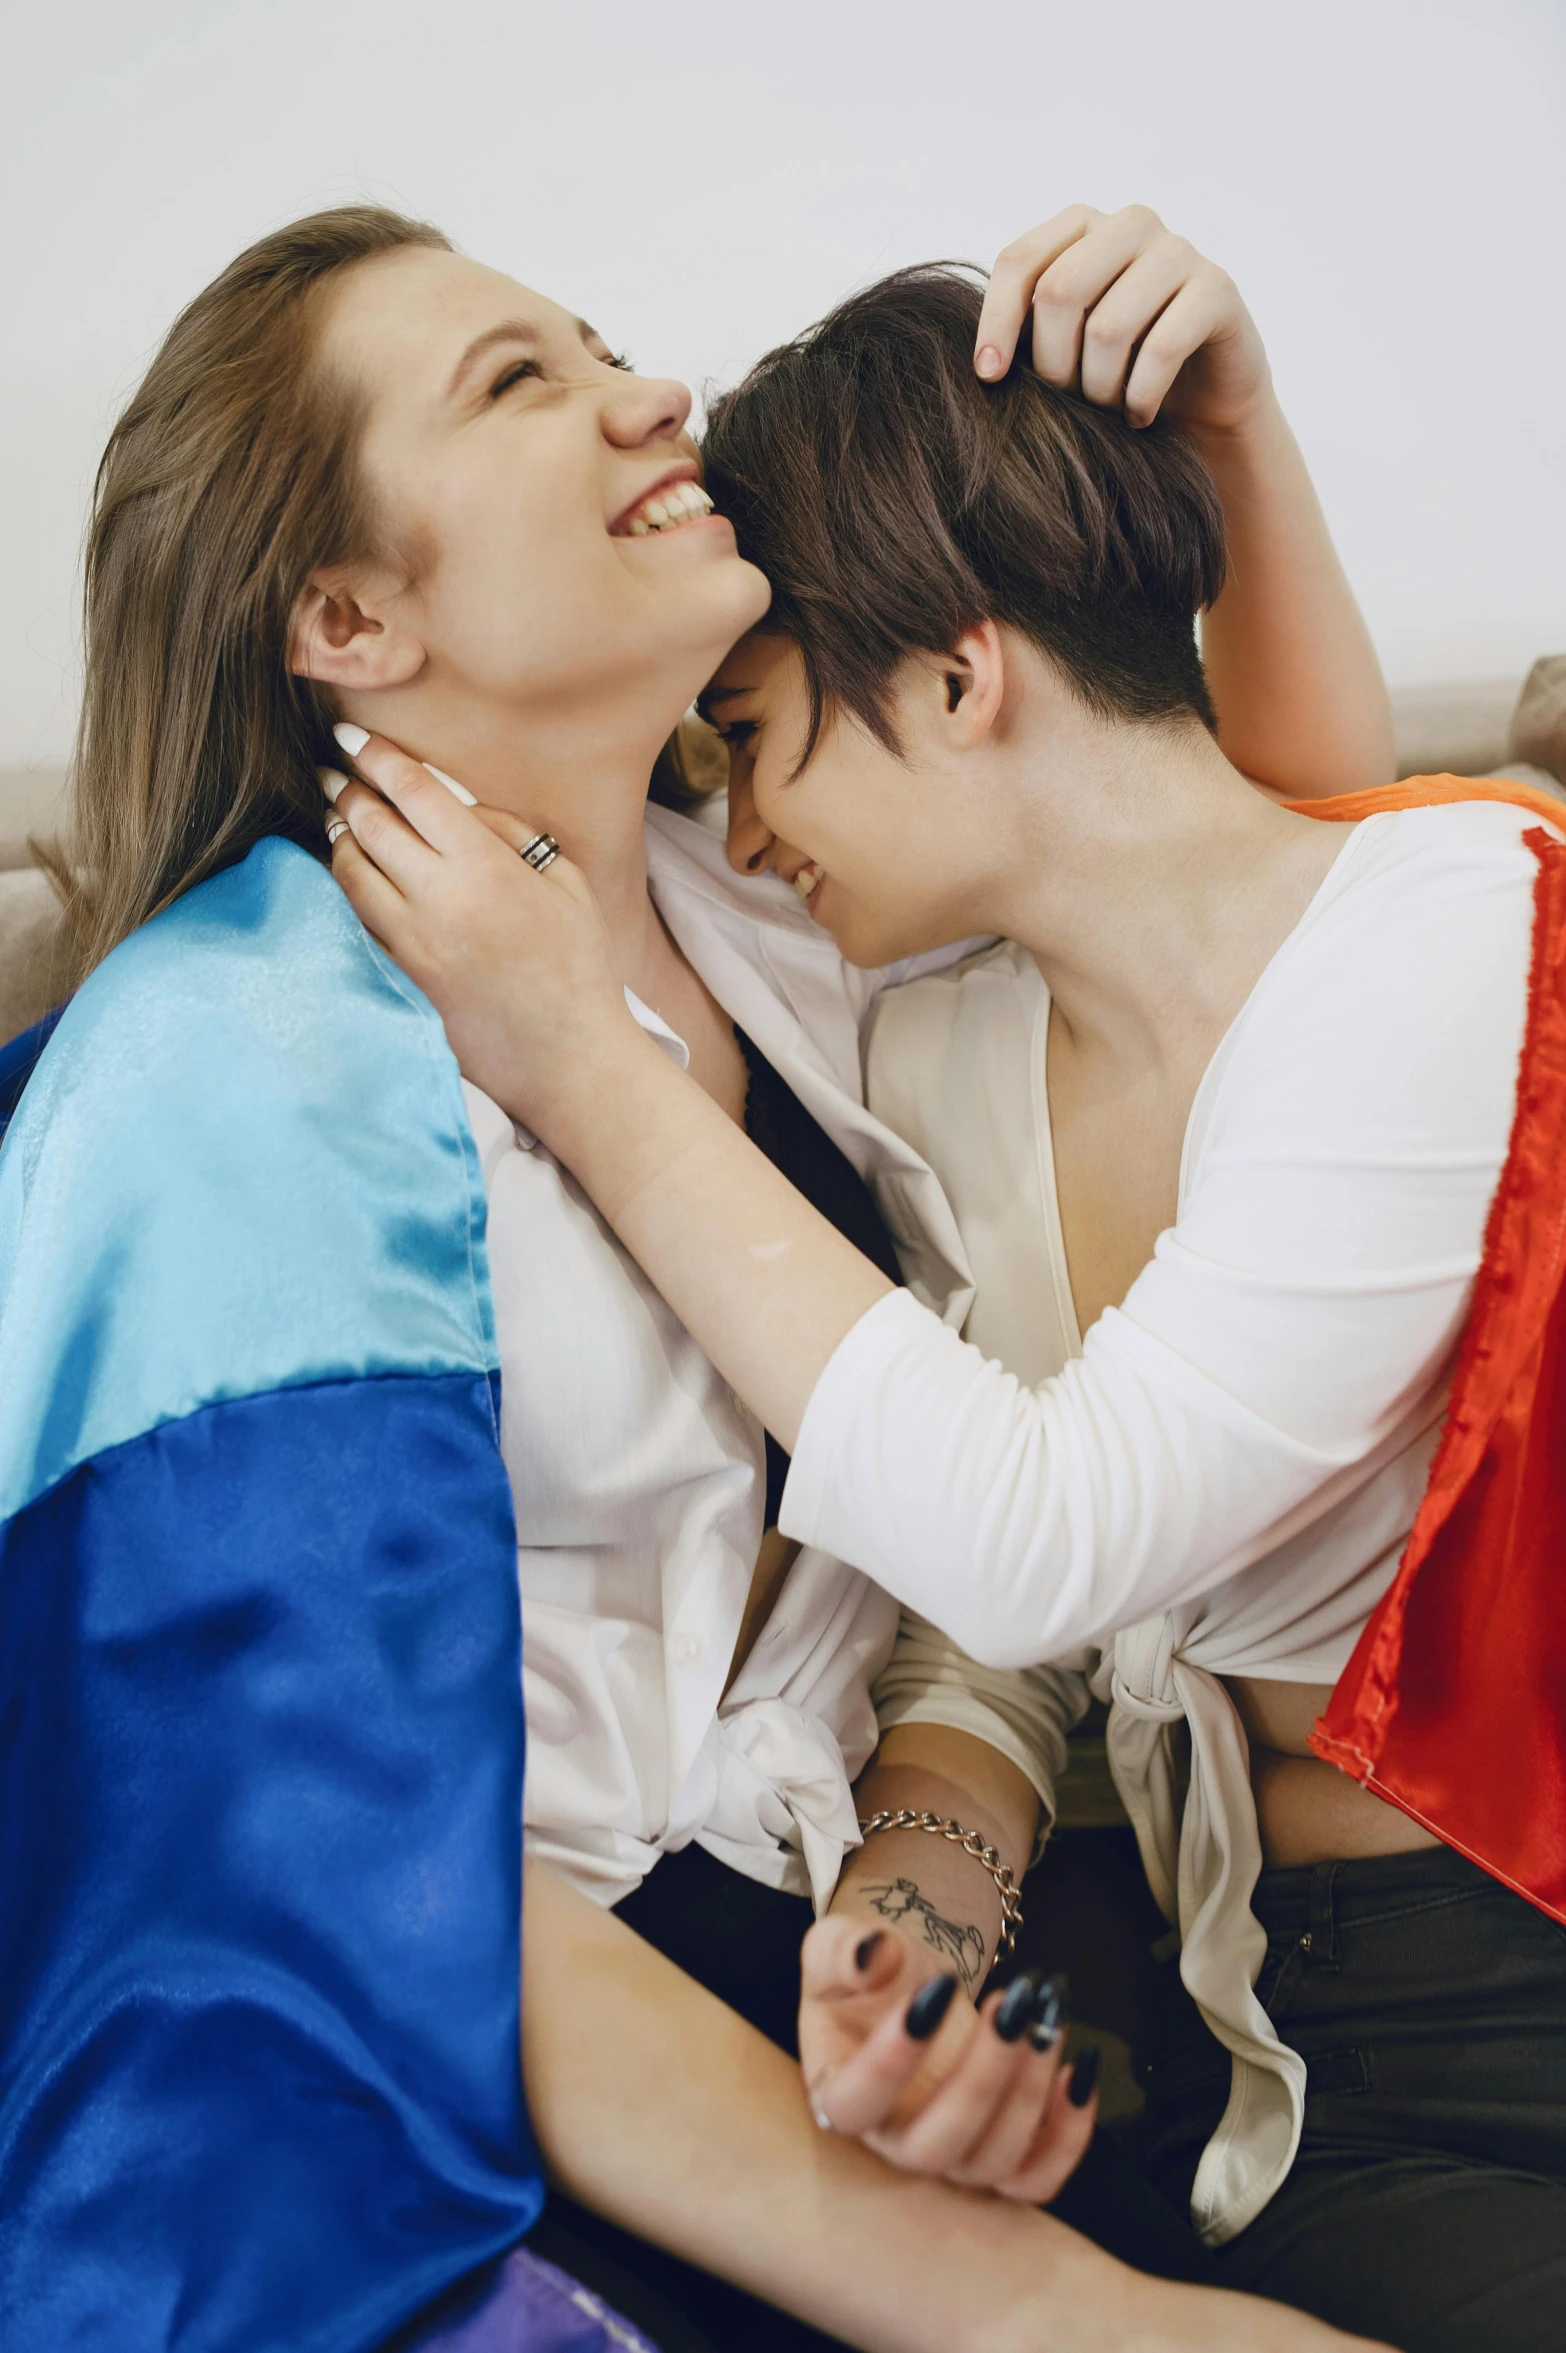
(778, 1124)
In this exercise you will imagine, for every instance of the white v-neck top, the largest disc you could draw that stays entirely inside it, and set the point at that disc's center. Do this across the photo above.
(1219, 1479)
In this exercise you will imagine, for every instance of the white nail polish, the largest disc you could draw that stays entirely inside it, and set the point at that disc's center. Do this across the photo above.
(460, 791)
(353, 739)
(331, 782)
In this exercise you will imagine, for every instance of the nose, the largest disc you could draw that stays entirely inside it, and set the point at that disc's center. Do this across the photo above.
(639, 409)
(751, 839)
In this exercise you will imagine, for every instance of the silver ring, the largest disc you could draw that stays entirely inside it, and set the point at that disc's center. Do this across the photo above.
(336, 827)
(540, 852)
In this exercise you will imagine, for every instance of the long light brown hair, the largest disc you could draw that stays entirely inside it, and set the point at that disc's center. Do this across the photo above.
(227, 481)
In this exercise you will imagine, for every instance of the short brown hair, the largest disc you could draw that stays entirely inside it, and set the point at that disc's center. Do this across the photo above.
(894, 501)
(228, 480)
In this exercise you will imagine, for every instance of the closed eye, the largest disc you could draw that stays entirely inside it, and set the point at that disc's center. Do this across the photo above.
(517, 373)
(737, 732)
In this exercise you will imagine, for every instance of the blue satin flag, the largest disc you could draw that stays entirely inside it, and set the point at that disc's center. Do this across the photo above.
(261, 1733)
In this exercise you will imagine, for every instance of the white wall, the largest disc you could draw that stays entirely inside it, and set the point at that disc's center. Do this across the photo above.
(1386, 179)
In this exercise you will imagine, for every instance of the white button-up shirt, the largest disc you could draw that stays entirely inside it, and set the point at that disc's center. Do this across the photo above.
(639, 1479)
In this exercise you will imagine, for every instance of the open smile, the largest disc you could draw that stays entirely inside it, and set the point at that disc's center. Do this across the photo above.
(672, 502)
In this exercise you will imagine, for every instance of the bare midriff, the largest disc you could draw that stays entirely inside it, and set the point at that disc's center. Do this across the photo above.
(1307, 1811)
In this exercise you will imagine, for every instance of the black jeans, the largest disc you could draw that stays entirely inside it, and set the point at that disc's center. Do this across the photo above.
(741, 1941)
(1427, 2205)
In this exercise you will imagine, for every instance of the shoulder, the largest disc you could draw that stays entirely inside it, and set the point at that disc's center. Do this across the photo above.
(242, 1162)
(1433, 892)
(1392, 1019)
(1454, 840)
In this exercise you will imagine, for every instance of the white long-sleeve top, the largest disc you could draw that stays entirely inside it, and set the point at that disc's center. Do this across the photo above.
(1219, 1480)
(639, 1479)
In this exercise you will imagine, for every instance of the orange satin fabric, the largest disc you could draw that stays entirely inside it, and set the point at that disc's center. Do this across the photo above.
(1453, 1706)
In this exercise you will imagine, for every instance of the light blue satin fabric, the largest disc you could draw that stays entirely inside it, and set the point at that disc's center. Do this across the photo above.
(243, 1162)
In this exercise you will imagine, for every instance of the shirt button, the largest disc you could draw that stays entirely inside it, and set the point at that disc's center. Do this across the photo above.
(688, 1649)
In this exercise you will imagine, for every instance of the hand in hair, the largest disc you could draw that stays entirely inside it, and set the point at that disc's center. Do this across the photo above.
(1128, 314)
(893, 2055)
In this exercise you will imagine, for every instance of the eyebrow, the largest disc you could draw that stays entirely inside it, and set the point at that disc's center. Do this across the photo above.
(719, 694)
(509, 331)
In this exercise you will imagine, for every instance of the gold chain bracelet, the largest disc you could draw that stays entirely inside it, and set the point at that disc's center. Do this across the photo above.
(972, 1844)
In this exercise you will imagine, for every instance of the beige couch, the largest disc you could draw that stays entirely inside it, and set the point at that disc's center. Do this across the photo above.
(1474, 730)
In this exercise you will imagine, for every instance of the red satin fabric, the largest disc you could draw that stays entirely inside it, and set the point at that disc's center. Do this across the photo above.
(1453, 1706)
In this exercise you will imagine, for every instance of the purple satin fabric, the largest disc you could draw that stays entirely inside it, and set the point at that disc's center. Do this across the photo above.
(523, 2305)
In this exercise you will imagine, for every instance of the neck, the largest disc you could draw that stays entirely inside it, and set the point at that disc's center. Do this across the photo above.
(585, 784)
(1152, 884)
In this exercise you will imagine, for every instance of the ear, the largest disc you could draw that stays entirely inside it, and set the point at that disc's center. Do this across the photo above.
(346, 632)
(971, 679)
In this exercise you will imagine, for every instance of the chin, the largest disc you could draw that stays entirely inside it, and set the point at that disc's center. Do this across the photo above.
(869, 944)
(724, 601)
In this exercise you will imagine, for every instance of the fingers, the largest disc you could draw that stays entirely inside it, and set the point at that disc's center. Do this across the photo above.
(1127, 310)
(515, 832)
(1205, 310)
(1061, 2140)
(862, 2094)
(424, 797)
(840, 1957)
(969, 2104)
(1018, 268)
(379, 905)
(1000, 2110)
(1118, 305)
(1069, 289)
(384, 836)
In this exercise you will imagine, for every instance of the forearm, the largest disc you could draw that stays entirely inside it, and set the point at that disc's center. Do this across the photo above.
(1302, 706)
(661, 2109)
(939, 1897)
(765, 1285)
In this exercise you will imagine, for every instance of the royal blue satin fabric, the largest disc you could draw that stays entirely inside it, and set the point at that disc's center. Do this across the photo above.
(261, 1733)
(260, 1848)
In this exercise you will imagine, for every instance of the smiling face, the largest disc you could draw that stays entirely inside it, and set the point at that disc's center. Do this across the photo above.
(893, 855)
(548, 547)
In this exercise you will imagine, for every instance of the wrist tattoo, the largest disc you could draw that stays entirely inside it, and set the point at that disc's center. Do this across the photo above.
(960, 1943)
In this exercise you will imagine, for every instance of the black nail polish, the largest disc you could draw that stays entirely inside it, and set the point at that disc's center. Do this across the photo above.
(1049, 2013)
(1016, 2006)
(1084, 2075)
(866, 1946)
(928, 2007)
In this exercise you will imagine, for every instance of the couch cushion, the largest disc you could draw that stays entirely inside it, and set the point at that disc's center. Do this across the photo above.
(1539, 723)
(33, 959)
(32, 801)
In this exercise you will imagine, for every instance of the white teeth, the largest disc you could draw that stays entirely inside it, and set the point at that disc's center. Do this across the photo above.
(806, 880)
(670, 509)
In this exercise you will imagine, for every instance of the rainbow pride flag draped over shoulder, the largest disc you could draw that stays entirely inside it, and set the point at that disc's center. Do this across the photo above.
(261, 1730)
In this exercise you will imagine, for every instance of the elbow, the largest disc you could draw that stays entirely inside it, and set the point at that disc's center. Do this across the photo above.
(994, 1638)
